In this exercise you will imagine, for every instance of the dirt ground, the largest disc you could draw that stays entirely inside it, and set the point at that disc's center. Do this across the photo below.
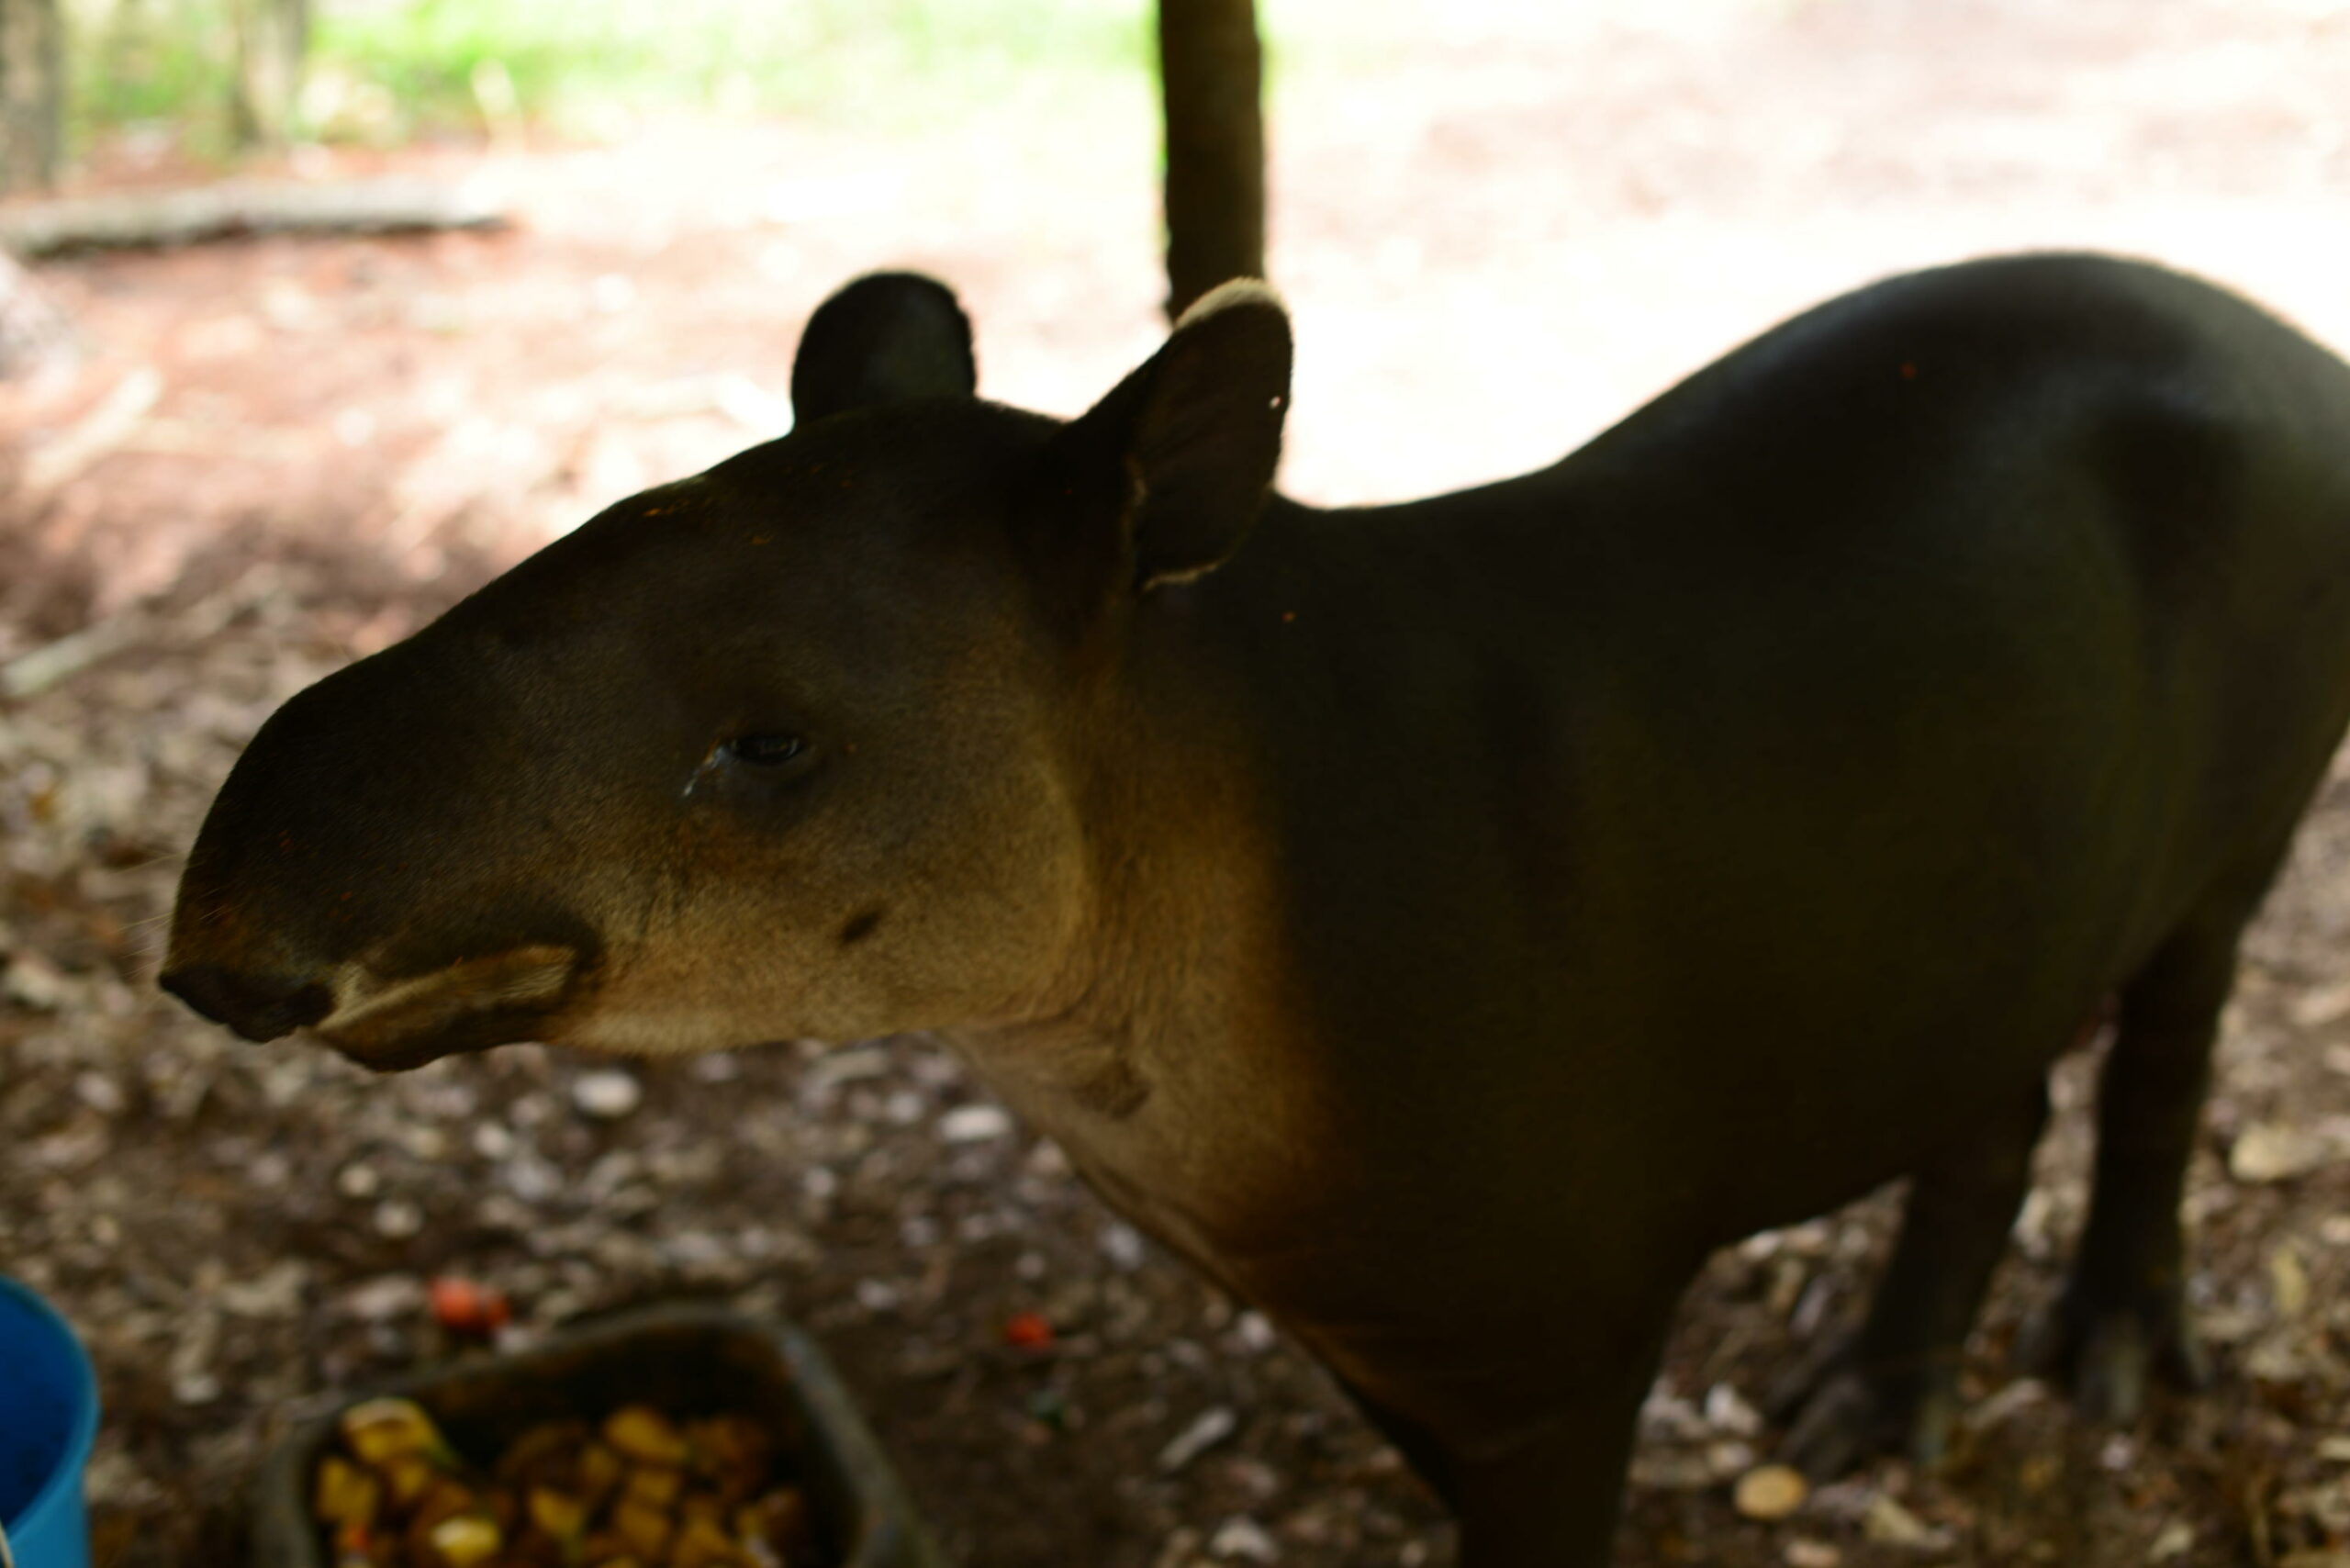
(272, 455)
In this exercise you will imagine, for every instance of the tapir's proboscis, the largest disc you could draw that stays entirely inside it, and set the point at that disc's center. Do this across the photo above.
(1443, 923)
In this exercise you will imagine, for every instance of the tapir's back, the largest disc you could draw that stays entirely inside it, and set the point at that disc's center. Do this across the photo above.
(2044, 561)
(1881, 695)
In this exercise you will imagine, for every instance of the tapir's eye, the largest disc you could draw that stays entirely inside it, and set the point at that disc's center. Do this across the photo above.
(763, 751)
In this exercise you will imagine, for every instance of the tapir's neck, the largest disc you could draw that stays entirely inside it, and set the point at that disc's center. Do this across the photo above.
(1258, 718)
(1299, 647)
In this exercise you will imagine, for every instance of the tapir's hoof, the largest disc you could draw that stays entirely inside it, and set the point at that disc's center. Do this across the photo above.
(1842, 1413)
(2109, 1357)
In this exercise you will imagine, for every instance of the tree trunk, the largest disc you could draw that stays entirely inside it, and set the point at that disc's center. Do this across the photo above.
(32, 93)
(31, 328)
(272, 38)
(1211, 73)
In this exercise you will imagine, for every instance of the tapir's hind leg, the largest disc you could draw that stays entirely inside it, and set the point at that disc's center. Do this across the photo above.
(1895, 1384)
(2122, 1317)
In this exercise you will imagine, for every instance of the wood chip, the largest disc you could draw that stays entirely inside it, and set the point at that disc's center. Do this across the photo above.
(2273, 1151)
(1210, 1428)
(1770, 1492)
(2289, 1282)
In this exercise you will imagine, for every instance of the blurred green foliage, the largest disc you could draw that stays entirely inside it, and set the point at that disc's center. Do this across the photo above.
(391, 70)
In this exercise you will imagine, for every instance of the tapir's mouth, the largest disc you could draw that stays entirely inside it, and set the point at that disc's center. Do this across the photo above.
(394, 1025)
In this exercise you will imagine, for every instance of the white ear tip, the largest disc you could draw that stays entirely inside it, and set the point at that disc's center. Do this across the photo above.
(1232, 294)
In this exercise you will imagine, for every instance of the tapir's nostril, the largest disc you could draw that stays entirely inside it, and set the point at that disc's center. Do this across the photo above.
(259, 1007)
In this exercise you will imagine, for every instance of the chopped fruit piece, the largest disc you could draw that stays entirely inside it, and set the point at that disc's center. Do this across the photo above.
(345, 1495)
(536, 1549)
(558, 1514)
(379, 1430)
(729, 1447)
(407, 1478)
(646, 1434)
(603, 1546)
(734, 1453)
(654, 1486)
(468, 1541)
(646, 1530)
(600, 1471)
(705, 1544)
(445, 1498)
(546, 1455)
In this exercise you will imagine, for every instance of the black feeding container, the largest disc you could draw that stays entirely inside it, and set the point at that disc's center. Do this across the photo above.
(684, 1360)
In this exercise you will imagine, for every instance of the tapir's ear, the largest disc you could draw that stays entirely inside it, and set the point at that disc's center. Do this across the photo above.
(1197, 431)
(886, 338)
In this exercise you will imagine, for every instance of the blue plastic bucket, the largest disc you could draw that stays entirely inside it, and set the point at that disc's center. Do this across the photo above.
(48, 1415)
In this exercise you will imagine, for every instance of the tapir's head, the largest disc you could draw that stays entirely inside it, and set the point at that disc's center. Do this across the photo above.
(795, 747)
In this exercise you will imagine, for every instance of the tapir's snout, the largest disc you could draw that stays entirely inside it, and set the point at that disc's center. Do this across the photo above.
(392, 1022)
(258, 1006)
(389, 866)
(467, 1006)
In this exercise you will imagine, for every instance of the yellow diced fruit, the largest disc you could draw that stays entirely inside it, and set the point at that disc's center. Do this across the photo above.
(379, 1430)
(444, 1497)
(558, 1514)
(444, 1500)
(643, 1434)
(465, 1540)
(603, 1546)
(697, 1505)
(646, 1530)
(344, 1494)
(654, 1486)
(407, 1478)
(601, 1470)
(732, 1449)
(536, 1549)
(704, 1544)
(546, 1455)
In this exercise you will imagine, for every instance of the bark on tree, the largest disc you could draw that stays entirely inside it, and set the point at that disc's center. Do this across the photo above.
(32, 93)
(31, 328)
(1211, 74)
(272, 36)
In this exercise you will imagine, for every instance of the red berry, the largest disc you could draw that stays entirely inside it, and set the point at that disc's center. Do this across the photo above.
(463, 1307)
(1027, 1331)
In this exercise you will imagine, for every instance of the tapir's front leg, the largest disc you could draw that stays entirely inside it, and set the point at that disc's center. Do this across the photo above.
(1549, 1497)
(1538, 1492)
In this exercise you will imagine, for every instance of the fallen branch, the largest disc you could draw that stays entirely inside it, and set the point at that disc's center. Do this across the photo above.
(30, 674)
(143, 219)
(106, 427)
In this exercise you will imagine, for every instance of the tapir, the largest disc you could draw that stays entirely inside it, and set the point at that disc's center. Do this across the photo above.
(1444, 923)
